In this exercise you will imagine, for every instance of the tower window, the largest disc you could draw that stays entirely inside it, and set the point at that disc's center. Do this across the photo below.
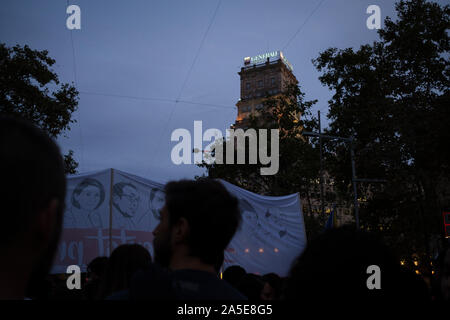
(260, 83)
(245, 109)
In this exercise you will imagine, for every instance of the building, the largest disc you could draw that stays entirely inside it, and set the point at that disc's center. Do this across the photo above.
(264, 75)
(269, 75)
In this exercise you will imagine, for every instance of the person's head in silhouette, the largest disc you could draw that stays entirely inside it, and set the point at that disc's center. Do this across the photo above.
(272, 287)
(95, 271)
(233, 274)
(335, 266)
(123, 263)
(251, 285)
(96, 268)
(32, 195)
(198, 220)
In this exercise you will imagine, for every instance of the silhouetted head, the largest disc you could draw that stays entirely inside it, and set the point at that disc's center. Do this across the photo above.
(96, 268)
(272, 287)
(199, 216)
(233, 275)
(251, 286)
(123, 263)
(32, 191)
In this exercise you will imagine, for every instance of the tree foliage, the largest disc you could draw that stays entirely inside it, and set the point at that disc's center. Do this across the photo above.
(31, 90)
(393, 97)
(290, 113)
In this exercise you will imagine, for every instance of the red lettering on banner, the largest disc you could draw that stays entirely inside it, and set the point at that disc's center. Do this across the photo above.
(80, 246)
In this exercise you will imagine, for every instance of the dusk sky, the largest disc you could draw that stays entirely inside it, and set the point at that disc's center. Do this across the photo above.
(129, 54)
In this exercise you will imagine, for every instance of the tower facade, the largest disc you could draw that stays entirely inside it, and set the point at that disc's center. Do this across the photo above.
(261, 76)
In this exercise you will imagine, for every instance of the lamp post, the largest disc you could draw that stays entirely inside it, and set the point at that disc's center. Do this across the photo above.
(352, 158)
(322, 206)
(355, 189)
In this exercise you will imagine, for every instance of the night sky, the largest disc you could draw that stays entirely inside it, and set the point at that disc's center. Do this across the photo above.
(132, 60)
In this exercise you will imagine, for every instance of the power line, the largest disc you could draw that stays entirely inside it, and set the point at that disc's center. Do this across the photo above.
(214, 105)
(74, 64)
(73, 54)
(208, 105)
(125, 96)
(304, 23)
(191, 67)
(189, 73)
(74, 61)
(199, 48)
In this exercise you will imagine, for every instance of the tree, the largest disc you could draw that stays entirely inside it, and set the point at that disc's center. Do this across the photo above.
(298, 161)
(393, 97)
(31, 90)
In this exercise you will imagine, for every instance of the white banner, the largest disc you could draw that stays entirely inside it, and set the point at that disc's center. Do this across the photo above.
(272, 233)
(107, 208)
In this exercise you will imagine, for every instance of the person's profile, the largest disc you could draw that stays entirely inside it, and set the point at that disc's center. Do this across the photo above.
(156, 202)
(86, 198)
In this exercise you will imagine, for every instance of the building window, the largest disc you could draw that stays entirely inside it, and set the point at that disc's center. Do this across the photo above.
(272, 81)
(246, 109)
(247, 85)
(260, 83)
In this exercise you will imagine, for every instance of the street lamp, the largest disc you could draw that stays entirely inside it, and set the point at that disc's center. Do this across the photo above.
(352, 157)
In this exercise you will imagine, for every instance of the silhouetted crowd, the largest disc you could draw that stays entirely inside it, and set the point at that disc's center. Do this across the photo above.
(198, 221)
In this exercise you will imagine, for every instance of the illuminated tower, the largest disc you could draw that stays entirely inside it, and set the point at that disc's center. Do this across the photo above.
(263, 75)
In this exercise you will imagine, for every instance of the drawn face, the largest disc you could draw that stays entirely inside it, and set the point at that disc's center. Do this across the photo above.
(88, 198)
(129, 201)
(274, 219)
(157, 203)
(274, 216)
(250, 217)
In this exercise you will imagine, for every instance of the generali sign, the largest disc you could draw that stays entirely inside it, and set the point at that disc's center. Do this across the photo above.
(261, 58)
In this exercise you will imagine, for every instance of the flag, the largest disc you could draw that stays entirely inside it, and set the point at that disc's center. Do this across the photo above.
(331, 222)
